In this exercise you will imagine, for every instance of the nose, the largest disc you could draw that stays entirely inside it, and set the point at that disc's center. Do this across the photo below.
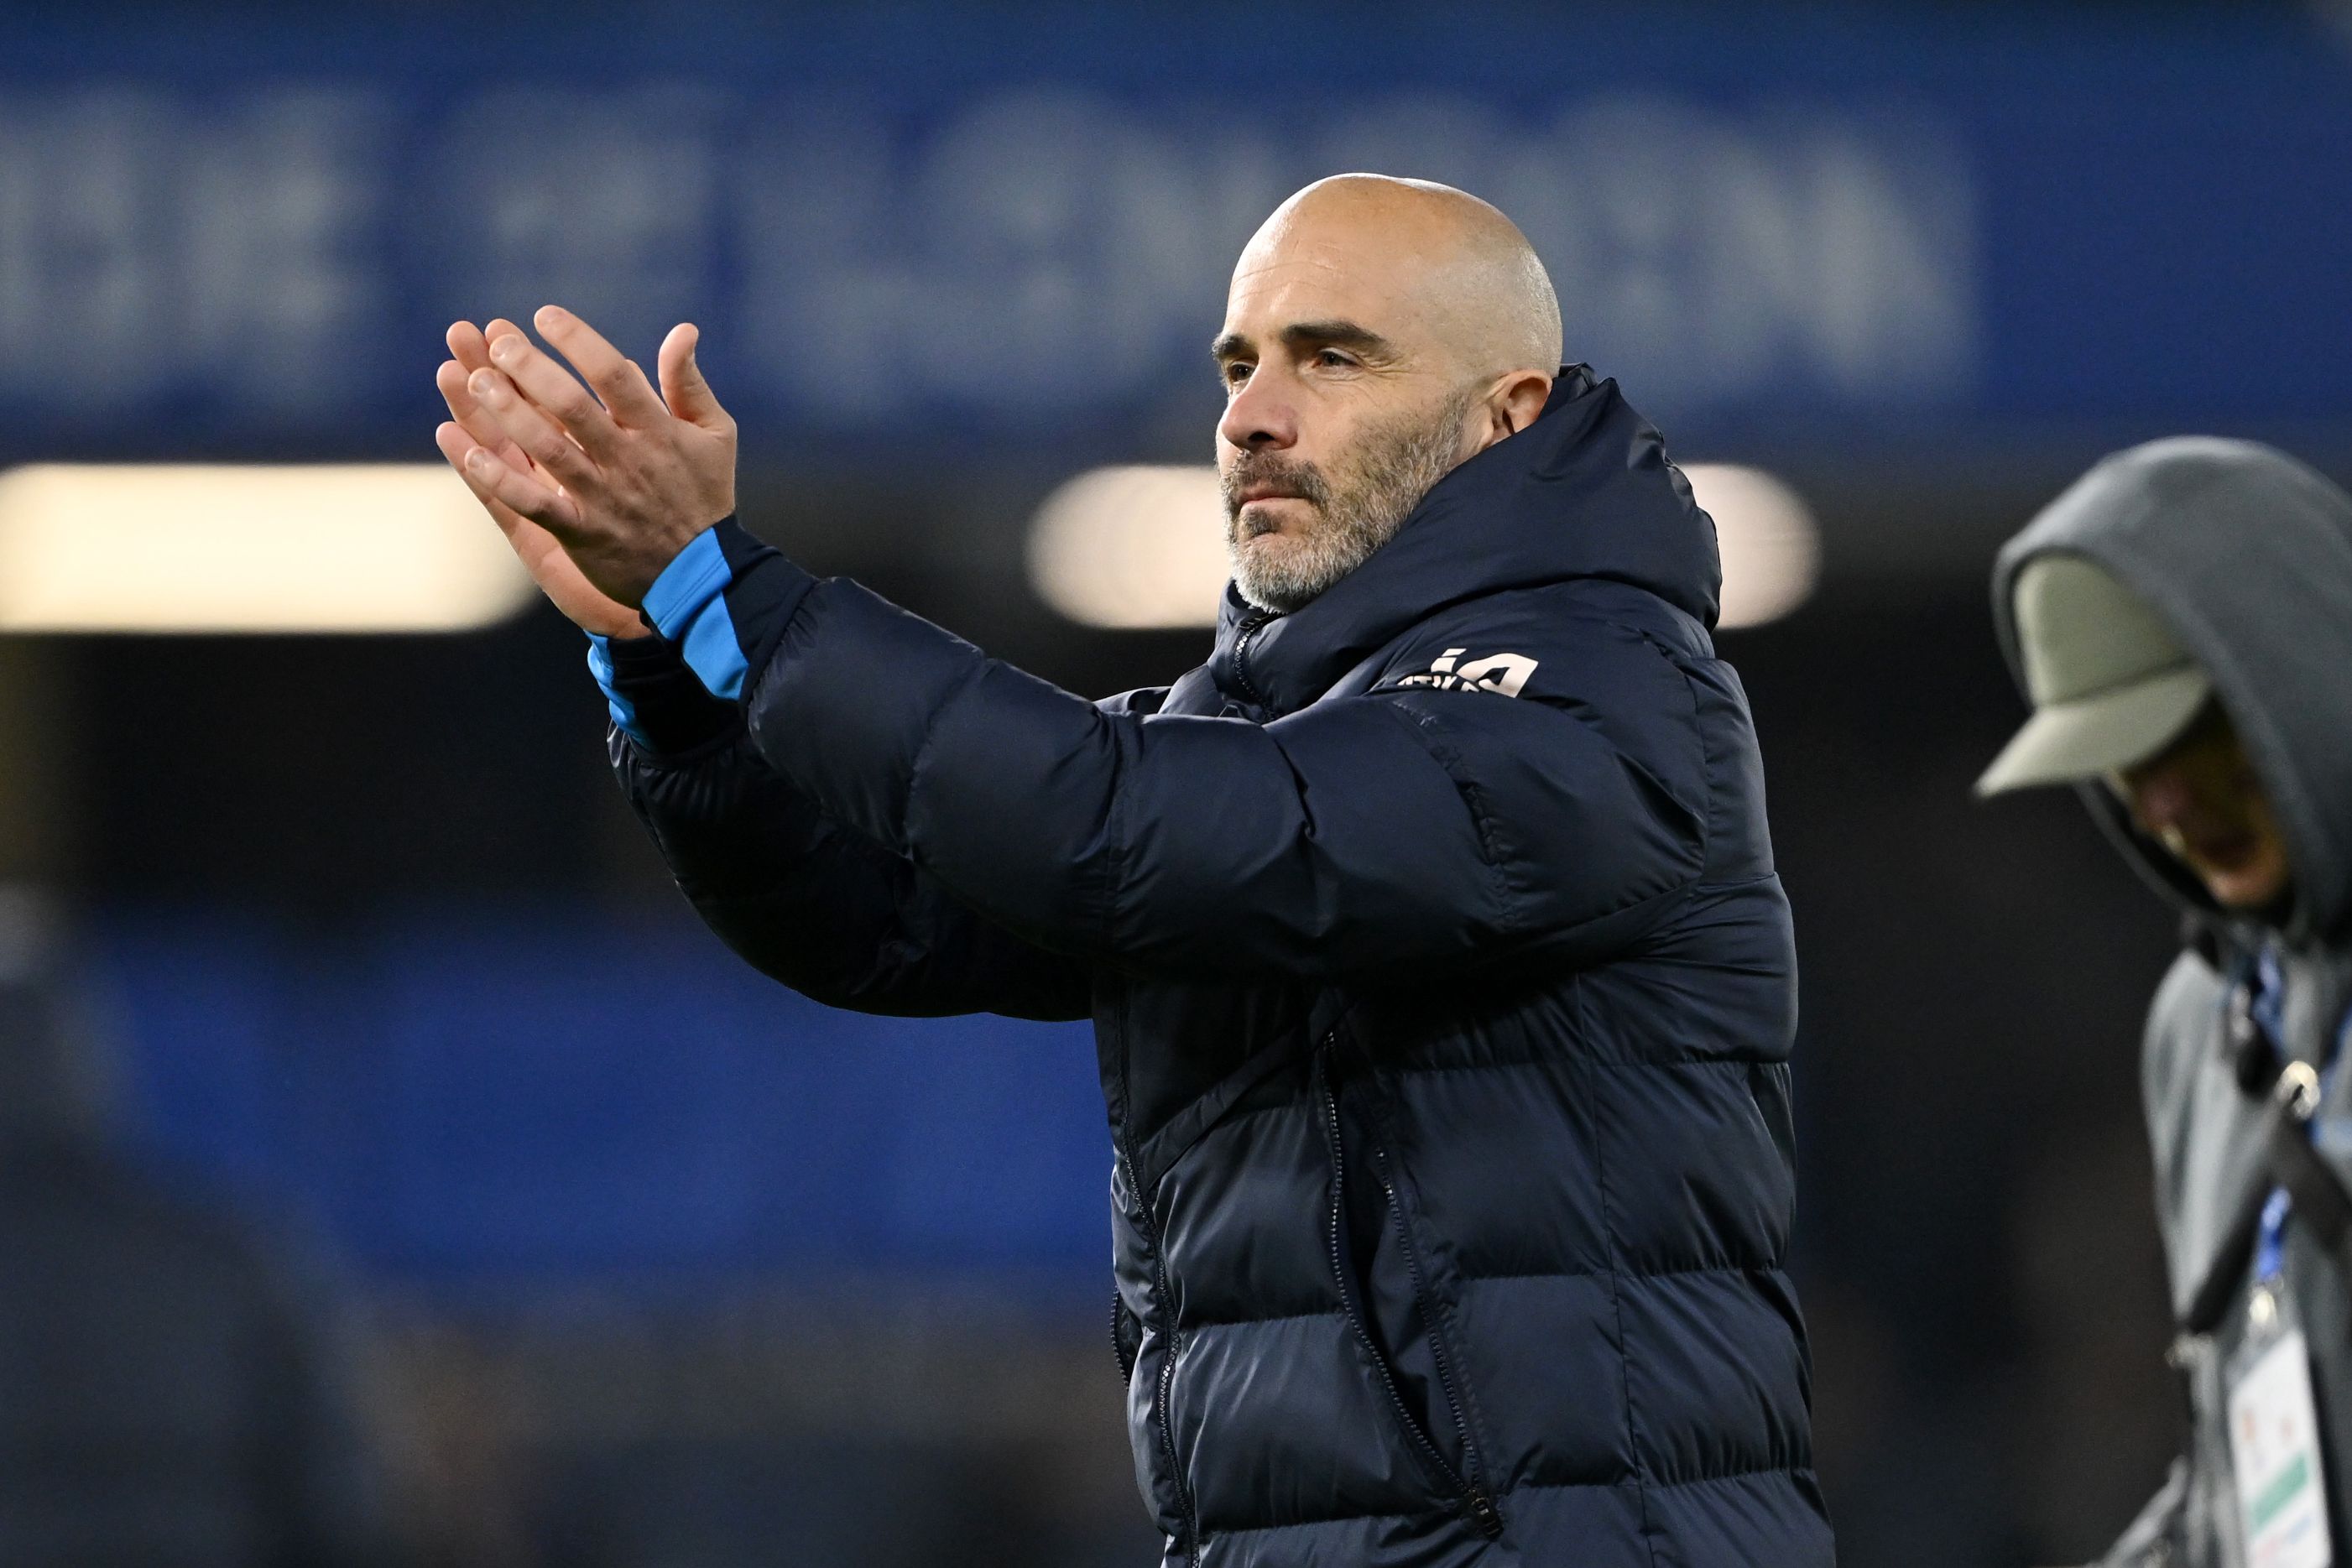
(2161, 798)
(1261, 417)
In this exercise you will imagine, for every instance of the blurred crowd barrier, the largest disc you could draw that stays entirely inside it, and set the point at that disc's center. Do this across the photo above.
(483, 1101)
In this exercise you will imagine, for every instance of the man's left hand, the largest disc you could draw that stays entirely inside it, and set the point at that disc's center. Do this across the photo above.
(641, 473)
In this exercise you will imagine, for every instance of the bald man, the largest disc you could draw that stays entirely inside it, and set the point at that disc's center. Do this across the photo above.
(1443, 986)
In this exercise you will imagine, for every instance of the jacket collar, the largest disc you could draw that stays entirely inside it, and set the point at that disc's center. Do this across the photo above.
(1584, 492)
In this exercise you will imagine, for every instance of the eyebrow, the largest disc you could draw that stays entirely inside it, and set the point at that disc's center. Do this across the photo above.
(1304, 334)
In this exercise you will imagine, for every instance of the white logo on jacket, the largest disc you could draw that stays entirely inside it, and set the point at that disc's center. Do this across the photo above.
(1504, 673)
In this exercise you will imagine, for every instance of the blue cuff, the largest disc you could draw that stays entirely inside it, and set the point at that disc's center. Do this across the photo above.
(687, 605)
(600, 665)
(655, 699)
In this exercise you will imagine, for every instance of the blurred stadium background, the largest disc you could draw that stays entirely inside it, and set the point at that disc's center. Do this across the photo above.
(660, 1265)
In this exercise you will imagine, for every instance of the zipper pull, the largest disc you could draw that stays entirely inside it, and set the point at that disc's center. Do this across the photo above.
(1485, 1514)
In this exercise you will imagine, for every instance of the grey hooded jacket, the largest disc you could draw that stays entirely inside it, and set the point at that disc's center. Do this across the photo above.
(2247, 555)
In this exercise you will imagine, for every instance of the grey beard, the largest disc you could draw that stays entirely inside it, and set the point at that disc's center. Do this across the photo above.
(1391, 469)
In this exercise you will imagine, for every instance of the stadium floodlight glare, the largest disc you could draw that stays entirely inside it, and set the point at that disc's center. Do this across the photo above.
(1132, 548)
(1144, 547)
(1765, 533)
(174, 548)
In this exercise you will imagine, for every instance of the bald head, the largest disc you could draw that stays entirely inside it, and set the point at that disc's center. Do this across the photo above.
(1379, 333)
(1454, 262)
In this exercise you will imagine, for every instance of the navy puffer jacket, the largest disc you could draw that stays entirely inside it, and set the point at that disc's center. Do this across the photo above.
(1443, 985)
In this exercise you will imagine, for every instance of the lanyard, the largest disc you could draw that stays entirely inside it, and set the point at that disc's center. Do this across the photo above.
(2268, 1009)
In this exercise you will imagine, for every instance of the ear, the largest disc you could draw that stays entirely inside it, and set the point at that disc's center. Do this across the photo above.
(1518, 398)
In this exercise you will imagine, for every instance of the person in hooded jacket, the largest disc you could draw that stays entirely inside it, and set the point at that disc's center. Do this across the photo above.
(1443, 985)
(2181, 619)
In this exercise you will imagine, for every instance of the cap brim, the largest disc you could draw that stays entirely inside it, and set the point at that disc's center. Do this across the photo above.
(2115, 729)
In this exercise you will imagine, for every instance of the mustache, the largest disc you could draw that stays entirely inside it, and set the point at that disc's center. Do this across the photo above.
(1272, 471)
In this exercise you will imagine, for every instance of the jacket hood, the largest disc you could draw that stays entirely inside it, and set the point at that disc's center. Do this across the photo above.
(2246, 554)
(1586, 491)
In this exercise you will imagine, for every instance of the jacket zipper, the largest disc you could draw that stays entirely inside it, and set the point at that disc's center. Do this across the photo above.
(1166, 1380)
(1250, 629)
(1478, 1502)
(1119, 1338)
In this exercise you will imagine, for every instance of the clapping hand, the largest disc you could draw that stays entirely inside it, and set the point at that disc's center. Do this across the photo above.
(596, 493)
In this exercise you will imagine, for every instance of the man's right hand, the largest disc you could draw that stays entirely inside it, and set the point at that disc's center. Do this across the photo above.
(542, 556)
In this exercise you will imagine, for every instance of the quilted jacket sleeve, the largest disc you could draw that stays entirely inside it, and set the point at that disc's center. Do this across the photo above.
(1406, 826)
(812, 903)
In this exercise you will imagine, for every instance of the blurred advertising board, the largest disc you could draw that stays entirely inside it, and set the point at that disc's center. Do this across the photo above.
(1004, 228)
